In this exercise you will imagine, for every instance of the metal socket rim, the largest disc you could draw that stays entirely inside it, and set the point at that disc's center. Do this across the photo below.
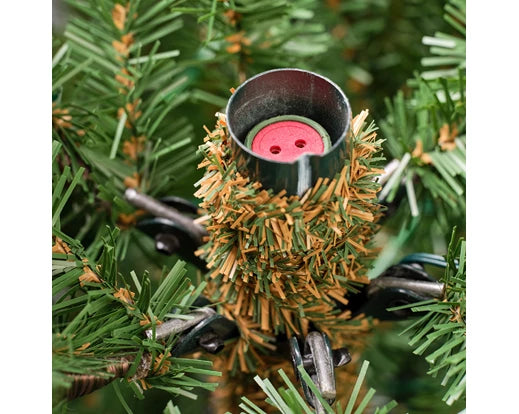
(335, 143)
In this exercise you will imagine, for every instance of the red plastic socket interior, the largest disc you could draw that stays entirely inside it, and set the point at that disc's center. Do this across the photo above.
(287, 140)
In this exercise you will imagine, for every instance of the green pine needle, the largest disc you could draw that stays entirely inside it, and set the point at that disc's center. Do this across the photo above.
(289, 400)
(96, 322)
(443, 327)
(428, 124)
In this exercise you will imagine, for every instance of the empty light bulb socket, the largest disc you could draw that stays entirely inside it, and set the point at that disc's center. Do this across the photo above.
(288, 127)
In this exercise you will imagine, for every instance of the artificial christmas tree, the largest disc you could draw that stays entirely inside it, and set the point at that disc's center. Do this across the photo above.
(133, 83)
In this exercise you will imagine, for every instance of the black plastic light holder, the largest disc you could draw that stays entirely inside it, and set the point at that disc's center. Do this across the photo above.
(289, 92)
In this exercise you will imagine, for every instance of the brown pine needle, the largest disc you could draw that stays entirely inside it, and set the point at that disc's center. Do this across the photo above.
(275, 259)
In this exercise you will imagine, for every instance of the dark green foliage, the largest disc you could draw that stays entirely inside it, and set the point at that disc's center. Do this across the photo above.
(264, 257)
(425, 136)
(244, 37)
(99, 322)
(442, 330)
(99, 317)
(120, 86)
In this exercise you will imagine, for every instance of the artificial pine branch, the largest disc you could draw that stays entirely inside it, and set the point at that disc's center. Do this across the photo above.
(443, 327)
(279, 263)
(99, 320)
(103, 144)
(427, 130)
(375, 45)
(235, 383)
(425, 139)
(99, 325)
(115, 87)
(242, 38)
(287, 400)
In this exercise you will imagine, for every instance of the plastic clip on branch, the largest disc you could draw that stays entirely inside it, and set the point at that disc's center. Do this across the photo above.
(288, 128)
